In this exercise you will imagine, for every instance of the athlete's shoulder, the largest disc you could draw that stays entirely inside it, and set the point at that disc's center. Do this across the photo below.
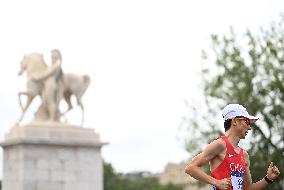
(218, 144)
(212, 150)
(219, 141)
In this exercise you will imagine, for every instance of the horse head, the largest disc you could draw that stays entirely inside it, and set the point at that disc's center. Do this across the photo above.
(32, 63)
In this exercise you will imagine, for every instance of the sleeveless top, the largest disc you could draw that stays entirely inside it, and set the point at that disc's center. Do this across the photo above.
(233, 166)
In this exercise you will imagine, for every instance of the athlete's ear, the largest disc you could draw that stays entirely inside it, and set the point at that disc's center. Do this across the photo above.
(234, 122)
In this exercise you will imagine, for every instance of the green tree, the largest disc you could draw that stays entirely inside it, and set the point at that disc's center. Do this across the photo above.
(248, 71)
(115, 181)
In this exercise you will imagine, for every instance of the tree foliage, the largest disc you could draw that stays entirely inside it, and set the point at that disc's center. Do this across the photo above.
(248, 71)
(115, 181)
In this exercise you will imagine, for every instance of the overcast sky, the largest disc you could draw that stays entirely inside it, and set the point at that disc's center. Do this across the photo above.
(143, 58)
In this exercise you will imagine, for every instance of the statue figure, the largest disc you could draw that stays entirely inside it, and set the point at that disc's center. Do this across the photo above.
(51, 84)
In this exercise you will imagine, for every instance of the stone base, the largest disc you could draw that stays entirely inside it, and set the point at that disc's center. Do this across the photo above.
(52, 156)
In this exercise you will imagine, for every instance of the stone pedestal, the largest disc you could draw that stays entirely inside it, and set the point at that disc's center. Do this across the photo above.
(52, 156)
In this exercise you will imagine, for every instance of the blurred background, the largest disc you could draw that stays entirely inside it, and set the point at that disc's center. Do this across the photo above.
(161, 72)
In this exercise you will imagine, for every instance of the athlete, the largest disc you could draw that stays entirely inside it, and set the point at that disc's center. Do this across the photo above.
(229, 163)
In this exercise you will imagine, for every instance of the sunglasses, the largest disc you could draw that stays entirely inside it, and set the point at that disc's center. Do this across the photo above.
(247, 121)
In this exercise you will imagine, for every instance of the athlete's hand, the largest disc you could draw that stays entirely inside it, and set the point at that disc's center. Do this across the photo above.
(272, 172)
(223, 184)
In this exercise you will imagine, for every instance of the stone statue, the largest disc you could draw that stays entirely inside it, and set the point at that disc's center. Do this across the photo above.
(51, 84)
(52, 92)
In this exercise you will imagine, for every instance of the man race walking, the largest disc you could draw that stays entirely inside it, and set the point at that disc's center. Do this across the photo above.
(229, 163)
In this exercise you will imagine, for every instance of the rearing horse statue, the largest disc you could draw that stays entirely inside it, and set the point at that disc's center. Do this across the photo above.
(37, 84)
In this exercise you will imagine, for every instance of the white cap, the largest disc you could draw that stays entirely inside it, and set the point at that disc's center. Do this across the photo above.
(234, 110)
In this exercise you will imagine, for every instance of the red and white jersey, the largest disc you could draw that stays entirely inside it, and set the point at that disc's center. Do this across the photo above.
(233, 166)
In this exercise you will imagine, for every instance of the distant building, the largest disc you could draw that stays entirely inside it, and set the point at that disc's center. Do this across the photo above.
(175, 174)
(139, 174)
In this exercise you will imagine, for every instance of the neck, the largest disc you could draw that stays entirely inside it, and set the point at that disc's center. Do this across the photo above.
(234, 140)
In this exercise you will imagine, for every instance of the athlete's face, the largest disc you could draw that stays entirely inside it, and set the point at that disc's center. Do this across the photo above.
(243, 125)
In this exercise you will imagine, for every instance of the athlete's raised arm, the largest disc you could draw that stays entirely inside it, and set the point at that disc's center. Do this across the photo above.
(272, 174)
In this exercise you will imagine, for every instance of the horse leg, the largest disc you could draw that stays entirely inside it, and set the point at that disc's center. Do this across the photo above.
(79, 102)
(24, 109)
(19, 97)
(67, 98)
